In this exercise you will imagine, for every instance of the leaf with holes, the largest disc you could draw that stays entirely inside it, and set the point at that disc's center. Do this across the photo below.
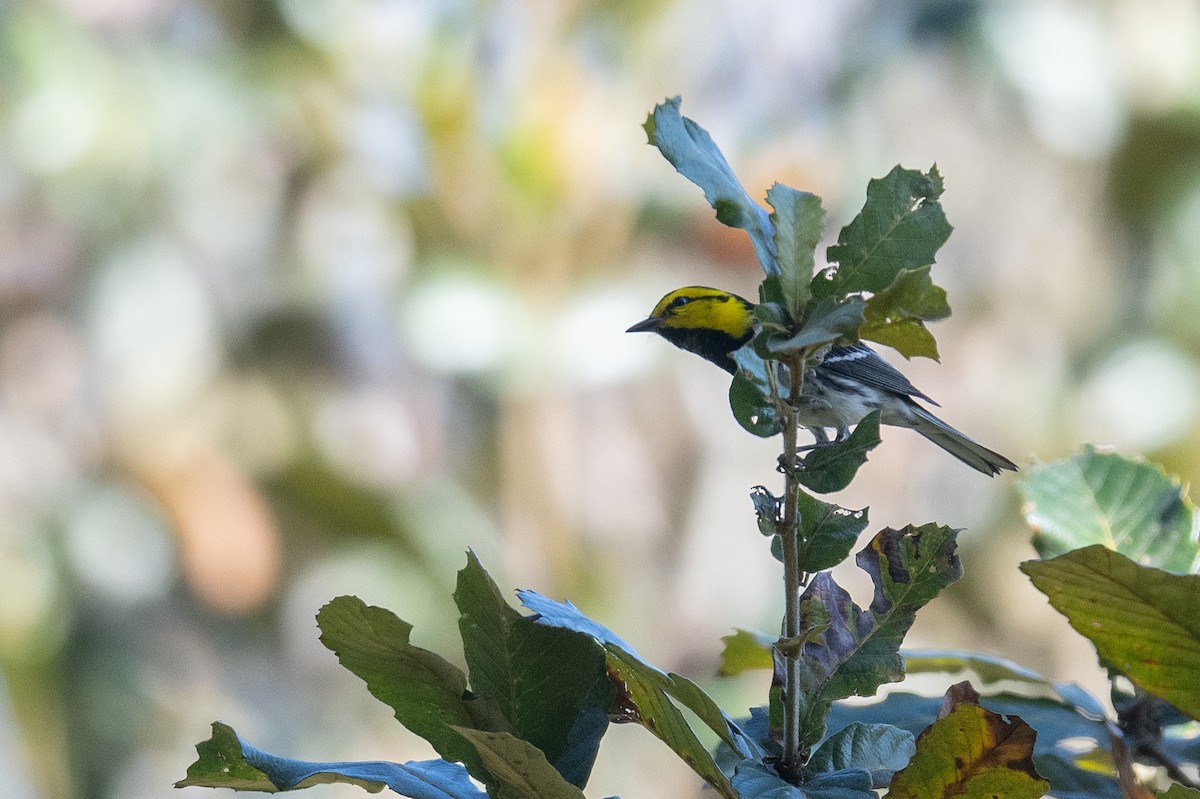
(901, 226)
(826, 534)
(750, 395)
(860, 650)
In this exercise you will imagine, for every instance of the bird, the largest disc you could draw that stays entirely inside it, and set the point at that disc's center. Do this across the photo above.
(840, 388)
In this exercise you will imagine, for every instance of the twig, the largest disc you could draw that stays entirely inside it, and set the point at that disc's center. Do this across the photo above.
(793, 572)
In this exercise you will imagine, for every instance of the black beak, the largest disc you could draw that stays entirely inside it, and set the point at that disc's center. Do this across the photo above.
(648, 325)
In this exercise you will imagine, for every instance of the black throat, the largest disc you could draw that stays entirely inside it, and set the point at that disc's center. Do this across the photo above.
(711, 345)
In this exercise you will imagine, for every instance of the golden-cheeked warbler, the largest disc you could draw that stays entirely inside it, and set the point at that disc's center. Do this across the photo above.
(846, 384)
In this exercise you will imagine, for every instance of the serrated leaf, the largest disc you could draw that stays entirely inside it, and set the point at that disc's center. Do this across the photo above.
(972, 752)
(861, 649)
(879, 749)
(826, 321)
(520, 769)
(645, 693)
(799, 222)
(548, 684)
(226, 761)
(1143, 622)
(694, 154)
(745, 650)
(1128, 505)
(831, 467)
(896, 316)
(827, 532)
(425, 691)
(901, 226)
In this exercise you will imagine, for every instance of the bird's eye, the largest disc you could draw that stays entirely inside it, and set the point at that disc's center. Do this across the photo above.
(679, 302)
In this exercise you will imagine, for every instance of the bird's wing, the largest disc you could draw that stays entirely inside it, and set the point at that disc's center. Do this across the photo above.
(860, 362)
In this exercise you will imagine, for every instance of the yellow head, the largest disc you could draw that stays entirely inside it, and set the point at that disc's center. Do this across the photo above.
(708, 322)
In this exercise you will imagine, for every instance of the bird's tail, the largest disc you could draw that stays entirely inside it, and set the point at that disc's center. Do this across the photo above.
(960, 446)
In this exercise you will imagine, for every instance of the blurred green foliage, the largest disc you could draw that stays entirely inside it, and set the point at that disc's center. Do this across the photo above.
(298, 299)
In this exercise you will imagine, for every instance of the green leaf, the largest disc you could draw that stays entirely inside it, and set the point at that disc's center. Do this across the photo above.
(985, 672)
(321, 500)
(694, 155)
(827, 320)
(972, 753)
(752, 409)
(767, 508)
(847, 783)
(1178, 791)
(520, 769)
(744, 651)
(896, 316)
(861, 649)
(799, 223)
(1072, 771)
(770, 294)
(880, 749)
(831, 467)
(750, 395)
(1067, 718)
(222, 764)
(827, 532)
(771, 313)
(549, 684)
(814, 621)
(425, 691)
(1128, 505)
(900, 227)
(644, 694)
(1143, 622)
(226, 761)
(754, 780)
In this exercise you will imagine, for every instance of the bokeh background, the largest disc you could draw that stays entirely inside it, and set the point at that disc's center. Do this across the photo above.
(301, 298)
